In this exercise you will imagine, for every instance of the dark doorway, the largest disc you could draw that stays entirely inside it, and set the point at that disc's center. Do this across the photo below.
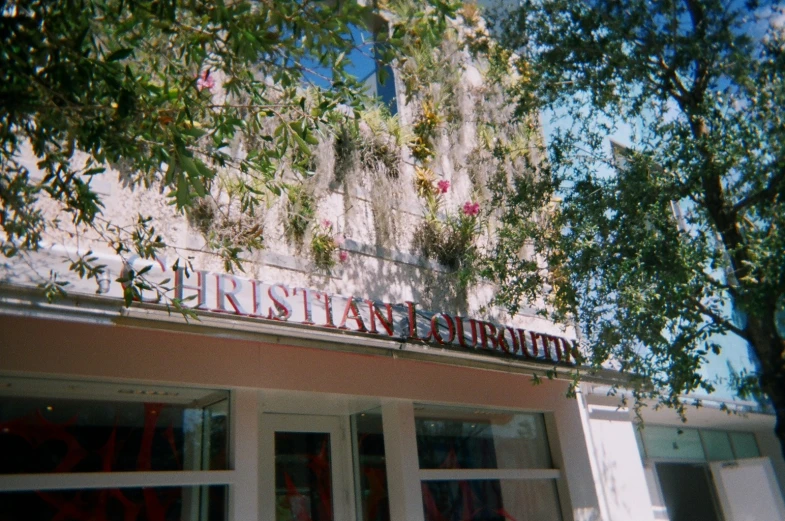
(688, 491)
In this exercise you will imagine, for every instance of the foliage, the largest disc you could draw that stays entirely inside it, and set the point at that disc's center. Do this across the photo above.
(426, 124)
(324, 246)
(186, 97)
(372, 143)
(226, 228)
(452, 243)
(300, 212)
(653, 247)
(448, 239)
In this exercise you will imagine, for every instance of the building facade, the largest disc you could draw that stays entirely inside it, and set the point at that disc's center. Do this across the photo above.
(369, 384)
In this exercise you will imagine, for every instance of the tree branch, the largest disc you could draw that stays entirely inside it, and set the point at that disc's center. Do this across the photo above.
(719, 319)
(771, 190)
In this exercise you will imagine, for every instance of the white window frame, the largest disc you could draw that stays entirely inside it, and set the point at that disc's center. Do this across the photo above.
(539, 474)
(340, 459)
(131, 479)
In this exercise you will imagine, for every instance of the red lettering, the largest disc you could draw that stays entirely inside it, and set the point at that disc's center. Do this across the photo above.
(283, 310)
(535, 351)
(571, 350)
(351, 306)
(307, 299)
(435, 329)
(562, 349)
(488, 332)
(328, 312)
(522, 337)
(221, 294)
(503, 344)
(257, 298)
(412, 314)
(461, 337)
(387, 323)
(546, 346)
(200, 288)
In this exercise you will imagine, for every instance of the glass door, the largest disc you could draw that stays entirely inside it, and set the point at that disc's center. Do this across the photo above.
(305, 468)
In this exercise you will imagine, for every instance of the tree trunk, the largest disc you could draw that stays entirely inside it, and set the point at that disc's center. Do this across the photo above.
(770, 350)
(777, 396)
(760, 330)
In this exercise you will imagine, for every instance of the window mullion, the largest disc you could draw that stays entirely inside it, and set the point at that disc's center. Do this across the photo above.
(486, 474)
(93, 480)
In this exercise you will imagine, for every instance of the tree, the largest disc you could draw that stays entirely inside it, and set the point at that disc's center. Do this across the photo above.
(164, 91)
(658, 248)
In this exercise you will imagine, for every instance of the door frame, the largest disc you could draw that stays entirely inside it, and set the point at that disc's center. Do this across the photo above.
(341, 468)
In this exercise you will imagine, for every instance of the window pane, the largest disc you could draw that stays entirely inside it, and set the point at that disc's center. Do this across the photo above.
(54, 426)
(491, 500)
(216, 437)
(744, 445)
(207, 503)
(468, 439)
(717, 445)
(371, 467)
(303, 481)
(672, 442)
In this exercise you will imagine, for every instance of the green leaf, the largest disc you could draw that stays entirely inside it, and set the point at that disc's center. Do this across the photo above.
(194, 132)
(120, 54)
(182, 194)
(198, 185)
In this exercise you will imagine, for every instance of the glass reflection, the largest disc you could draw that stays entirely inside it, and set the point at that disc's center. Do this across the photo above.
(491, 500)
(207, 503)
(303, 484)
(110, 434)
(465, 439)
(371, 478)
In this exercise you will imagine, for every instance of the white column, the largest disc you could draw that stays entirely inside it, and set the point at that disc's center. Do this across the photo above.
(622, 478)
(244, 493)
(570, 440)
(403, 467)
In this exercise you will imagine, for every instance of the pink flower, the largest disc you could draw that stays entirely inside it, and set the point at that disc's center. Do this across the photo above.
(471, 209)
(339, 240)
(343, 256)
(327, 223)
(443, 186)
(205, 81)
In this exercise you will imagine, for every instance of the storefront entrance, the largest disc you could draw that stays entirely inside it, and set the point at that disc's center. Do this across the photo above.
(305, 473)
(688, 491)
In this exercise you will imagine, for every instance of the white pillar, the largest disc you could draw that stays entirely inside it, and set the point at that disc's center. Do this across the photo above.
(244, 492)
(403, 467)
(621, 478)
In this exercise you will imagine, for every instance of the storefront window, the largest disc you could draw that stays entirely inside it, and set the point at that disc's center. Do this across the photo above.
(491, 500)
(117, 504)
(674, 443)
(479, 465)
(89, 450)
(39, 435)
(716, 445)
(744, 445)
(499, 441)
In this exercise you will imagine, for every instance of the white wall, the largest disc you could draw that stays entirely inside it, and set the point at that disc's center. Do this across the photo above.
(770, 447)
(618, 472)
